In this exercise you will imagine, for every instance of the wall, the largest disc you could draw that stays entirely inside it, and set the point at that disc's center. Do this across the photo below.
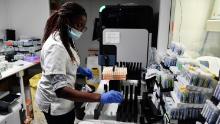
(28, 17)
(192, 33)
(216, 10)
(3, 17)
(92, 9)
(163, 29)
(212, 45)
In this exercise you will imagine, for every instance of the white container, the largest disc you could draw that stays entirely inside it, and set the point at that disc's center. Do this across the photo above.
(2, 58)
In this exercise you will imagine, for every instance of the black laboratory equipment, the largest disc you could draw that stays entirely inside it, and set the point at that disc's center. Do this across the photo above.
(9, 56)
(99, 107)
(123, 17)
(82, 86)
(6, 103)
(97, 30)
(126, 17)
(134, 69)
(107, 56)
(10, 34)
(120, 17)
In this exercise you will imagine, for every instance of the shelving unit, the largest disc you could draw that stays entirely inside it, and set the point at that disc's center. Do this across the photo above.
(210, 119)
(13, 117)
(18, 69)
(162, 95)
(191, 87)
(181, 104)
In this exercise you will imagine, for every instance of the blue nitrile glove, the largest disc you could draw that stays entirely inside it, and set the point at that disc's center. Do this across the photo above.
(85, 72)
(111, 97)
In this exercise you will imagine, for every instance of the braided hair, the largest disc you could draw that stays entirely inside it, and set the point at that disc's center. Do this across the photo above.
(59, 20)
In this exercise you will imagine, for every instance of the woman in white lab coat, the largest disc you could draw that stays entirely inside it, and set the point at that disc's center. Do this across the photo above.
(60, 62)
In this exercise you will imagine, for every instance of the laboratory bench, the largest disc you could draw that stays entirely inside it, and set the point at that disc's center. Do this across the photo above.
(160, 101)
(12, 83)
(134, 109)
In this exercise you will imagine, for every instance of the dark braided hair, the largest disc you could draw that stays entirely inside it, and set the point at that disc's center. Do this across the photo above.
(59, 20)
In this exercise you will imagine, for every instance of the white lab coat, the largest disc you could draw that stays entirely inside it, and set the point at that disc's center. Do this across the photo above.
(56, 60)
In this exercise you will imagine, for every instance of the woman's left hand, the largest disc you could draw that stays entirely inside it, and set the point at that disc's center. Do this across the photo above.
(85, 72)
(89, 73)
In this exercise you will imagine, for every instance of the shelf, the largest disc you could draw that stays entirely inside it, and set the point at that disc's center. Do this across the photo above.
(164, 67)
(186, 121)
(166, 90)
(181, 104)
(104, 120)
(163, 89)
(191, 87)
(213, 25)
(174, 70)
(170, 53)
(218, 106)
(214, 100)
(14, 108)
(3, 93)
(17, 66)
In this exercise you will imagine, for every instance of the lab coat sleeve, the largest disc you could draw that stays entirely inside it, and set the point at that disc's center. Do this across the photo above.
(55, 60)
(58, 81)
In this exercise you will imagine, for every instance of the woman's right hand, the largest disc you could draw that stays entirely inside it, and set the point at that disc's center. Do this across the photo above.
(111, 97)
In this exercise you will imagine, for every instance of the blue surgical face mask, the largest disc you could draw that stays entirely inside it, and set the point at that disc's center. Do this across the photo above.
(73, 33)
